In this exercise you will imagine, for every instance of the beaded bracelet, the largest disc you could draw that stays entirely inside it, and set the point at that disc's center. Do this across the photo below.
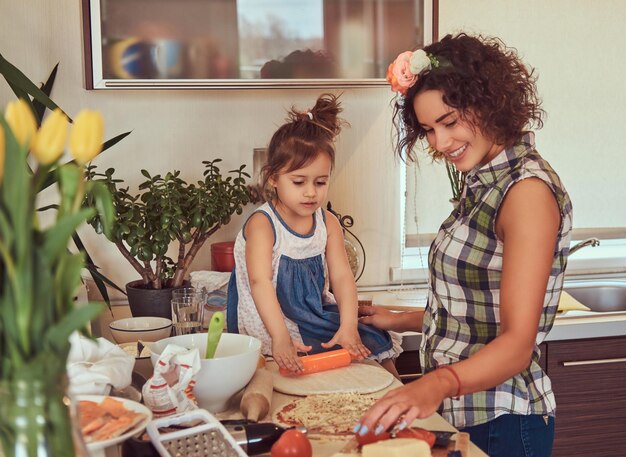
(456, 376)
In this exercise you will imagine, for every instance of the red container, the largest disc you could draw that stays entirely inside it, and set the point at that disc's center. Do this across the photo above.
(222, 257)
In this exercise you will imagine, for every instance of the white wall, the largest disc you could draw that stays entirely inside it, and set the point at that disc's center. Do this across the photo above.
(577, 48)
(583, 137)
(179, 129)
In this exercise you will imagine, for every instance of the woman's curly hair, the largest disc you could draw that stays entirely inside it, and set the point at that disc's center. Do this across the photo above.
(482, 79)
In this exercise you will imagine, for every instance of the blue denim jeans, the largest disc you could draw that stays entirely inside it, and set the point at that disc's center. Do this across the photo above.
(513, 435)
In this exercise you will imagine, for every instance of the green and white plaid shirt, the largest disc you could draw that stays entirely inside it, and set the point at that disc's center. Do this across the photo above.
(463, 311)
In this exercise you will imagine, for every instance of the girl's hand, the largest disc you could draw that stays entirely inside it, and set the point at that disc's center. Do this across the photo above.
(378, 317)
(416, 400)
(351, 340)
(285, 353)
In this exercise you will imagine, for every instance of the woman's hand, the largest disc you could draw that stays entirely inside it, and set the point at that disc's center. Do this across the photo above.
(285, 353)
(349, 338)
(378, 317)
(416, 400)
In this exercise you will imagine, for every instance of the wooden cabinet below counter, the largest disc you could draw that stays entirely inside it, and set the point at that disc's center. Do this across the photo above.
(589, 381)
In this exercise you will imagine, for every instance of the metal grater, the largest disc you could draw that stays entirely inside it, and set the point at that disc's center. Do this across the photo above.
(209, 439)
(210, 443)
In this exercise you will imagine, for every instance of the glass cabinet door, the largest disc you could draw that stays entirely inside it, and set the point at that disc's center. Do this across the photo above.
(239, 43)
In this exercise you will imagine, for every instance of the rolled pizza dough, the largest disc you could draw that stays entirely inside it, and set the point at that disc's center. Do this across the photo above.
(357, 377)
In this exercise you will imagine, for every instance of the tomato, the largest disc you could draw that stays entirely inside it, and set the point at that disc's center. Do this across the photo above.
(418, 433)
(370, 437)
(292, 443)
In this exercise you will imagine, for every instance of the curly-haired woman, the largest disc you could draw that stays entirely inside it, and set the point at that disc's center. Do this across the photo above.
(498, 261)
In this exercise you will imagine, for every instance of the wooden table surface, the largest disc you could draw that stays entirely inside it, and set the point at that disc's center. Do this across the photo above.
(327, 448)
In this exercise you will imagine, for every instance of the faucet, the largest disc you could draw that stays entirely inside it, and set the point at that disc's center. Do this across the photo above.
(588, 242)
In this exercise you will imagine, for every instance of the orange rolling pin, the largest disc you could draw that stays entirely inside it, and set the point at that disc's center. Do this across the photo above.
(321, 362)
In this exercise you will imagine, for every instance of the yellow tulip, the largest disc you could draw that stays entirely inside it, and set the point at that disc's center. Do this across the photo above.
(22, 121)
(49, 141)
(86, 136)
(2, 146)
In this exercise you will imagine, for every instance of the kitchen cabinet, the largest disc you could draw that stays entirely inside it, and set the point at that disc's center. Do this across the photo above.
(408, 364)
(589, 381)
(192, 44)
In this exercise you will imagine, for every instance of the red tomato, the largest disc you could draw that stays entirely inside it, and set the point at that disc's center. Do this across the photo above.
(369, 437)
(292, 443)
(418, 433)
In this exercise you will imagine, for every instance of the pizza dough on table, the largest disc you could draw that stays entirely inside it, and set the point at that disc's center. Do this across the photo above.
(328, 414)
(357, 377)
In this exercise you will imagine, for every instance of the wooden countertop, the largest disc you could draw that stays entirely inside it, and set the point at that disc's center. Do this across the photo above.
(327, 448)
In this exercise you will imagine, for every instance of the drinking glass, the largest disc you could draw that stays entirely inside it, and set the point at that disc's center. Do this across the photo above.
(187, 314)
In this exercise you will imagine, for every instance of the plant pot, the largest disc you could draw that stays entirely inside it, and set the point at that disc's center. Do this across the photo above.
(222, 256)
(149, 302)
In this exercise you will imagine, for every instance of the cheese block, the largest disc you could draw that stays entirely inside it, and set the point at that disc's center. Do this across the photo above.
(398, 447)
(569, 303)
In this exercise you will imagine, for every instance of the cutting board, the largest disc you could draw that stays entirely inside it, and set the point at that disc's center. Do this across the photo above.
(359, 377)
(460, 443)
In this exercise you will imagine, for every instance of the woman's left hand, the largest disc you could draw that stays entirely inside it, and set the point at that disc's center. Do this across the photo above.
(351, 340)
(401, 406)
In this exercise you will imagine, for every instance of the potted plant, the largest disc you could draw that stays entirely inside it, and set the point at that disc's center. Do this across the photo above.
(167, 210)
(39, 275)
(24, 89)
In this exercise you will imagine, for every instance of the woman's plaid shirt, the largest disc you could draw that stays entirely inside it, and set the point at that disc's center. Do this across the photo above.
(465, 262)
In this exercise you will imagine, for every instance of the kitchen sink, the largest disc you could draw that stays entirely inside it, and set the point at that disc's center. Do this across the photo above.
(600, 296)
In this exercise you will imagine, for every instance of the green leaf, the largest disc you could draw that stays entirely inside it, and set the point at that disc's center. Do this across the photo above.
(18, 79)
(19, 93)
(56, 337)
(51, 178)
(99, 279)
(113, 141)
(56, 238)
(46, 88)
(16, 191)
(67, 280)
(104, 206)
(69, 181)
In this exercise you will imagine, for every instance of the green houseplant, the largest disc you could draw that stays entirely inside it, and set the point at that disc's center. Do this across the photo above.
(24, 89)
(167, 211)
(39, 275)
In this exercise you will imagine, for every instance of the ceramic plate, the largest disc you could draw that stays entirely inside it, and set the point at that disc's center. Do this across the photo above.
(128, 404)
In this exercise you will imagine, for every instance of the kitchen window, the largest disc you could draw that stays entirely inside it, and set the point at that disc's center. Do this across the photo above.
(426, 205)
(583, 136)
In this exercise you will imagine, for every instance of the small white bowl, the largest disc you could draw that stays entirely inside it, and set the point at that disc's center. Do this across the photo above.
(221, 377)
(133, 329)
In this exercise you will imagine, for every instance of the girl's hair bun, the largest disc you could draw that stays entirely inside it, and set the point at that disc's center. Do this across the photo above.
(324, 115)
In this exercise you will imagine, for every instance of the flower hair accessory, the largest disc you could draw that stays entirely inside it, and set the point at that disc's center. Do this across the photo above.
(403, 72)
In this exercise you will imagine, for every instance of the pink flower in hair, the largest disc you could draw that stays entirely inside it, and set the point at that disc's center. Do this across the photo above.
(403, 72)
(399, 73)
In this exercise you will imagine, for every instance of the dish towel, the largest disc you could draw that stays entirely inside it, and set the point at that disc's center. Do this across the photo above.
(94, 366)
(569, 303)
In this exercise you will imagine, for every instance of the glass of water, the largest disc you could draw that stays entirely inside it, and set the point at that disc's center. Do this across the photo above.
(187, 314)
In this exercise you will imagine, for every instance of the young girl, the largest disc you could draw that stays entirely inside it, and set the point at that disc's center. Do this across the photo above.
(497, 264)
(291, 247)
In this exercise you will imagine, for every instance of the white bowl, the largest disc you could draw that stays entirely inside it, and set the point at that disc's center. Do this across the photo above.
(133, 329)
(224, 375)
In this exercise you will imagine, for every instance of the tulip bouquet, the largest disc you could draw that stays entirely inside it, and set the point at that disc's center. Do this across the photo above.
(39, 274)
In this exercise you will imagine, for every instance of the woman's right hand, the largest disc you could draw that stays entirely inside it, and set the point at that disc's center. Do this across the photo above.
(285, 353)
(378, 317)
